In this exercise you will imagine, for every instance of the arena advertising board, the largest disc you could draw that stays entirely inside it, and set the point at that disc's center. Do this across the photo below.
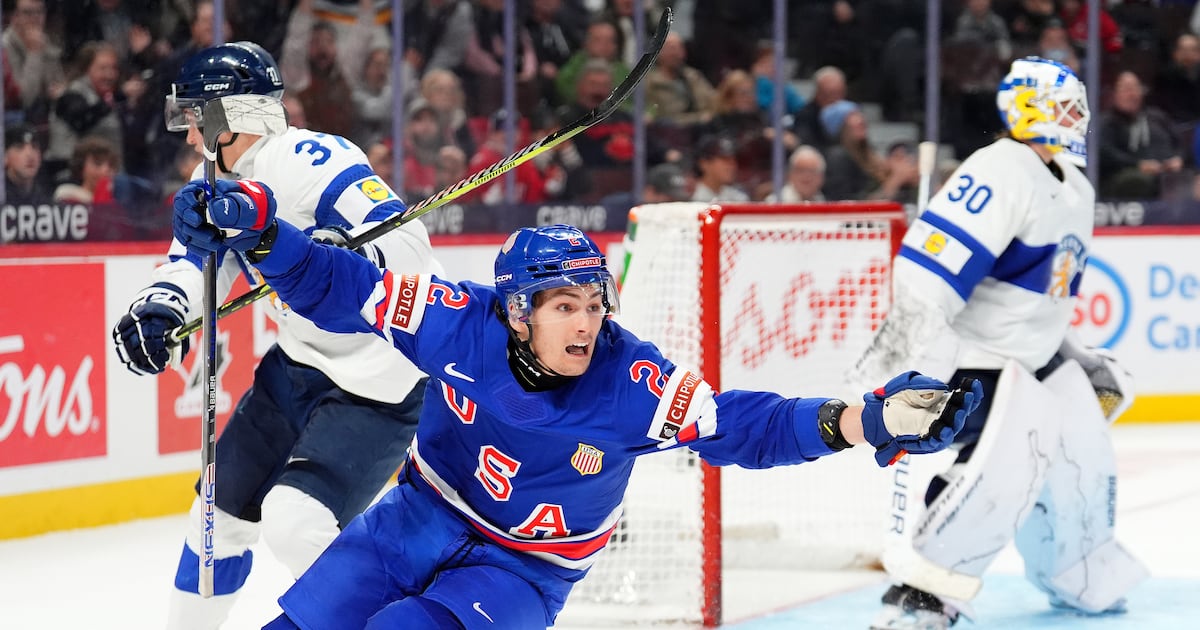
(73, 419)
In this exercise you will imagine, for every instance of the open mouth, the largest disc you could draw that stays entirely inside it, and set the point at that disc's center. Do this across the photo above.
(577, 349)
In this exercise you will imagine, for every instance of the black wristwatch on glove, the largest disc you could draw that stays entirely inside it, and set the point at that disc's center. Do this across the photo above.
(829, 417)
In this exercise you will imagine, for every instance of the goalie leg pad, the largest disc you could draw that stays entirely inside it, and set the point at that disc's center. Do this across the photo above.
(1067, 541)
(987, 497)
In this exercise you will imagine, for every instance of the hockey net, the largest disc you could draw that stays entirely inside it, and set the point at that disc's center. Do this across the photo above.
(765, 297)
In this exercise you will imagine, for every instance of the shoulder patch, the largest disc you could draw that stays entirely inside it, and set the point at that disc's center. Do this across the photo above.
(680, 405)
(374, 189)
(939, 246)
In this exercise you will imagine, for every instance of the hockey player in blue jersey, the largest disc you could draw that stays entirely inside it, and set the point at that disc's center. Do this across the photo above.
(992, 268)
(330, 415)
(536, 408)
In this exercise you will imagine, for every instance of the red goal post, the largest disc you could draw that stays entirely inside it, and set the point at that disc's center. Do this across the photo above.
(770, 297)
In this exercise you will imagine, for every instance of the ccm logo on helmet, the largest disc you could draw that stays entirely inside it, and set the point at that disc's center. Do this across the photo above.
(582, 262)
(215, 87)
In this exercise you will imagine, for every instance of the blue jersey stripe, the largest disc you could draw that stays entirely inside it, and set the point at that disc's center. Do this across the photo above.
(326, 212)
(972, 272)
(1027, 266)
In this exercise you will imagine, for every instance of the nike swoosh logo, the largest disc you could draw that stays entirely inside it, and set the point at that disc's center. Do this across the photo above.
(450, 371)
(296, 460)
(479, 608)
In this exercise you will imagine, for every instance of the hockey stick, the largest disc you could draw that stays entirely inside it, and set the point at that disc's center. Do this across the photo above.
(926, 161)
(454, 191)
(272, 118)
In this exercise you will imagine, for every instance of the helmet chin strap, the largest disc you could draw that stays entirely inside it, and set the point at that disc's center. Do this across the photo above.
(531, 372)
(221, 156)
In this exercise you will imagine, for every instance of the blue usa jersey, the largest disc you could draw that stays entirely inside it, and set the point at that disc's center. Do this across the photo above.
(538, 472)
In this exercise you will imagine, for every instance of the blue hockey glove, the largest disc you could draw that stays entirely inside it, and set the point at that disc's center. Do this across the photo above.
(241, 213)
(143, 335)
(914, 413)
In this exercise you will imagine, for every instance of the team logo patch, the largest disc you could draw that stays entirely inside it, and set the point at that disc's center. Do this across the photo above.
(1069, 260)
(582, 262)
(588, 460)
(375, 190)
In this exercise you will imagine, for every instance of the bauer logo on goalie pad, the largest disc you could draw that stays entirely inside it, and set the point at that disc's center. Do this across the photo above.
(948, 251)
(374, 189)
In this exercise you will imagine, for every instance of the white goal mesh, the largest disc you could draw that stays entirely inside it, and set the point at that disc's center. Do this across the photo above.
(786, 296)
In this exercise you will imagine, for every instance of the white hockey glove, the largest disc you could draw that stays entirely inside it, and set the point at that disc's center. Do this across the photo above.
(143, 336)
(914, 413)
(335, 235)
(1113, 383)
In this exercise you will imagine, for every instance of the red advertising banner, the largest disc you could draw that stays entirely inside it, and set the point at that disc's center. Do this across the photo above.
(52, 343)
(180, 395)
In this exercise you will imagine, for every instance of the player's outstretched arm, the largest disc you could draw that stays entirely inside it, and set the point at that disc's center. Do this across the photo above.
(912, 413)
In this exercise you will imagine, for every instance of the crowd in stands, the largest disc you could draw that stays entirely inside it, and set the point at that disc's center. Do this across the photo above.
(84, 82)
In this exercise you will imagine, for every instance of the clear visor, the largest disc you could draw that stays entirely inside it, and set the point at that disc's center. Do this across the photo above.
(563, 297)
(181, 113)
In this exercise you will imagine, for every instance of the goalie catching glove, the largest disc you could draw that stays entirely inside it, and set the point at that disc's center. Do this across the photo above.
(914, 413)
(144, 335)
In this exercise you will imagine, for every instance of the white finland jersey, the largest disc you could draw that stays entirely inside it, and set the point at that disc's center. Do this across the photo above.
(1000, 250)
(321, 180)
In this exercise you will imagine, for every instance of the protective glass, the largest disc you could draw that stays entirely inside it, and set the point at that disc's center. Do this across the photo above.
(594, 294)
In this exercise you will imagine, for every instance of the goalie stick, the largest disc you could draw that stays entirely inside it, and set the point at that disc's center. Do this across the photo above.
(471, 182)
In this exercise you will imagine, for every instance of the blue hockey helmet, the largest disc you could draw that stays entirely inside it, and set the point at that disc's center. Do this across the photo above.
(219, 71)
(536, 259)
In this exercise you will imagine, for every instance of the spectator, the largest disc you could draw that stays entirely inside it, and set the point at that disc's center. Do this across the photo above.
(200, 36)
(717, 172)
(543, 178)
(372, 98)
(436, 33)
(313, 72)
(845, 42)
(855, 170)
(443, 91)
(805, 179)
(739, 119)
(664, 183)
(676, 93)
(829, 87)
(295, 111)
(24, 182)
(610, 142)
(93, 166)
(1025, 21)
(484, 63)
(1137, 148)
(619, 13)
(600, 43)
(422, 141)
(87, 107)
(36, 62)
(553, 43)
(1055, 44)
(451, 166)
(1177, 88)
(1074, 16)
(763, 71)
(381, 159)
(978, 22)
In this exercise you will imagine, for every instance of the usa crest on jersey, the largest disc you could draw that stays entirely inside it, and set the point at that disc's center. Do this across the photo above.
(588, 459)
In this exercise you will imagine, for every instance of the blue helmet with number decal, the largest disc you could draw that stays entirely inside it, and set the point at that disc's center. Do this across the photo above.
(218, 71)
(1044, 102)
(536, 259)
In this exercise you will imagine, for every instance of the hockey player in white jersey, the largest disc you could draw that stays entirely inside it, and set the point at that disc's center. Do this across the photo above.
(329, 416)
(991, 270)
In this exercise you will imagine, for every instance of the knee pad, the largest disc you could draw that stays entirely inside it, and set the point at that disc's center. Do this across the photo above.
(296, 527)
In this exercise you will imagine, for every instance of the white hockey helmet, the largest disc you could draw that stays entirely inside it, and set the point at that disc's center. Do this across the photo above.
(1044, 102)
